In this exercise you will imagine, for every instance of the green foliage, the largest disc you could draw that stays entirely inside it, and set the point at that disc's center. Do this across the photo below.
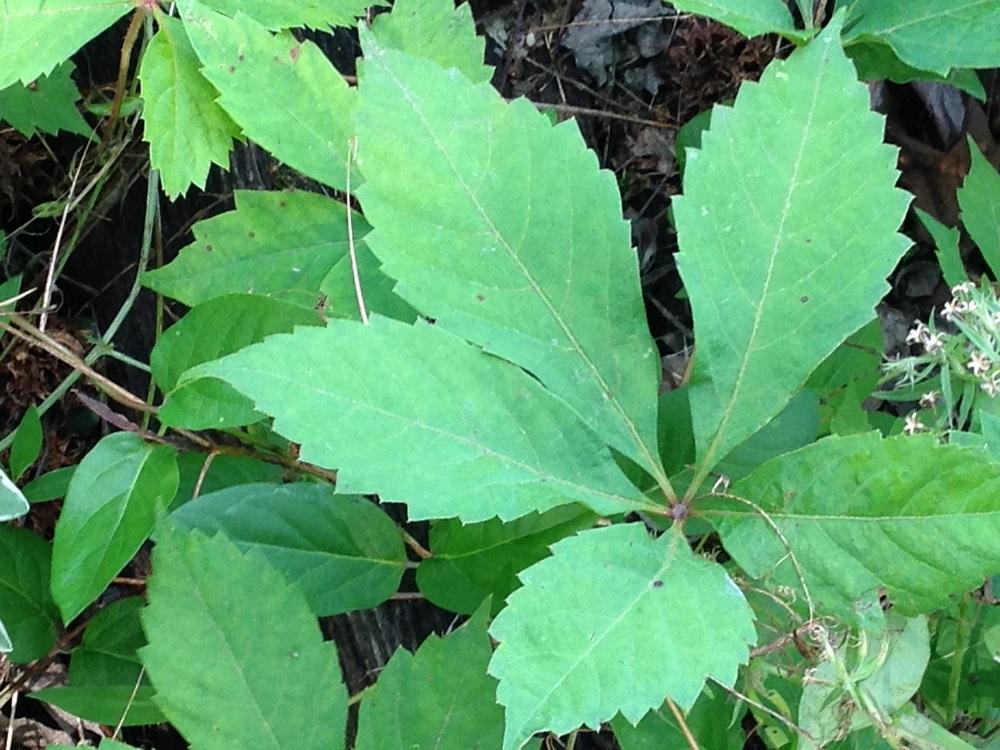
(249, 668)
(474, 562)
(275, 244)
(114, 499)
(471, 342)
(343, 552)
(27, 443)
(979, 198)
(104, 670)
(29, 615)
(862, 512)
(187, 131)
(470, 239)
(47, 106)
(38, 35)
(439, 698)
(435, 30)
(623, 589)
(284, 14)
(213, 329)
(305, 118)
(511, 448)
(749, 17)
(931, 35)
(777, 279)
(713, 720)
(946, 240)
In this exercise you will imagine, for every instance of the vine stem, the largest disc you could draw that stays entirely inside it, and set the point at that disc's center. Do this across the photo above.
(682, 723)
(421, 551)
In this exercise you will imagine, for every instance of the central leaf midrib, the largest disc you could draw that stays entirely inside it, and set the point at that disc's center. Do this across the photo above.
(457, 438)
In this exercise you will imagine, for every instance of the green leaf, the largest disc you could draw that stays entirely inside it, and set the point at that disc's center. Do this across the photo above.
(473, 562)
(784, 252)
(114, 498)
(419, 416)
(876, 61)
(979, 198)
(713, 720)
(749, 17)
(439, 698)
(104, 704)
(108, 653)
(26, 607)
(525, 254)
(615, 621)
(900, 658)
(212, 330)
(27, 443)
(273, 682)
(859, 513)
(276, 244)
(796, 426)
(344, 552)
(435, 30)
(286, 14)
(223, 471)
(48, 105)
(846, 378)
(305, 119)
(186, 130)
(13, 504)
(107, 660)
(946, 240)
(377, 289)
(50, 486)
(929, 34)
(37, 35)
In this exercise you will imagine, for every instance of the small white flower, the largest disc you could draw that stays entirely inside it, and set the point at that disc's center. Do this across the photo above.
(995, 319)
(933, 343)
(950, 309)
(991, 387)
(971, 305)
(917, 333)
(913, 424)
(979, 364)
(929, 400)
(964, 288)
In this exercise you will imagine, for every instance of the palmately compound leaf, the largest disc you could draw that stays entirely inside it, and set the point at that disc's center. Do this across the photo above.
(930, 34)
(436, 30)
(26, 607)
(419, 416)
(305, 118)
(787, 229)
(114, 499)
(749, 17)
(473, 562)
(344, 552)
(615, 621)
(276, 244)
(209, 331)
(186, 130)
(48, 105)
(859, 513)
(37, 35)
(502, 228)
(249, 667)
(979, 198)
(439, 698)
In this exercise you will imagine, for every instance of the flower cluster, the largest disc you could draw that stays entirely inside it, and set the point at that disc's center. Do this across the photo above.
(965, 352)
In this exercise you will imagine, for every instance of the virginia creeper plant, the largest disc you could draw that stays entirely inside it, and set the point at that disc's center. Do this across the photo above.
(473, 344)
